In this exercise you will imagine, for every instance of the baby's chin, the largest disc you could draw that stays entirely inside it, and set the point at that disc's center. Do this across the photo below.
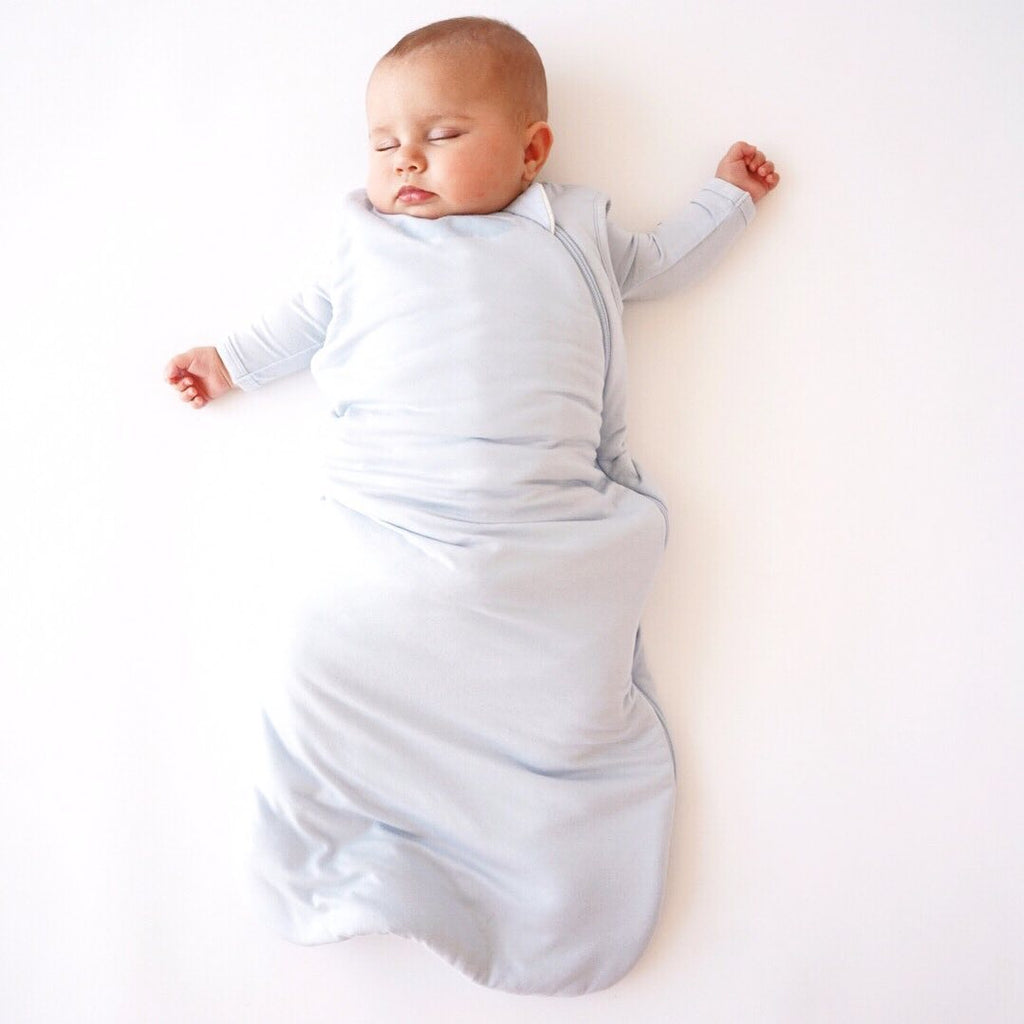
(434, 208)
(427, 210)
(416, 211)
(421, 211)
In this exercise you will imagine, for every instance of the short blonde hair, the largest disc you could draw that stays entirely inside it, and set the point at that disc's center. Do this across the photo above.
(514, 60)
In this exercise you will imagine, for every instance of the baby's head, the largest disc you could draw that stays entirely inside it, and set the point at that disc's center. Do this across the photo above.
(456, 113)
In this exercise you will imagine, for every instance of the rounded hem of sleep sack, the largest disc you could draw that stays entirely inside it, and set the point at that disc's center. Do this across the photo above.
(310, 929)
(476, 977)
(479, 978)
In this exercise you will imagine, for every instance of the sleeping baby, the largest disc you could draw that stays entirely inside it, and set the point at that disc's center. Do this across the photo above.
(464, 747)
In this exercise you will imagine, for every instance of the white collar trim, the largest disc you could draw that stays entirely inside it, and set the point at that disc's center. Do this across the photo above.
(534, 205)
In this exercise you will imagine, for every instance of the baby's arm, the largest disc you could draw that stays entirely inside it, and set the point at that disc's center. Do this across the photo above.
(684, 247)
(282, 341)
(199, 375)
(279, 343)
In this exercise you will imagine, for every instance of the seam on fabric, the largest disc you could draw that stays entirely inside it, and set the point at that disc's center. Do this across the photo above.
(659, 714)
(277, 362)
(600, 211)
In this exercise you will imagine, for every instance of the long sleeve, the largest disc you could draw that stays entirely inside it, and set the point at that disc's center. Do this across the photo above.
(279, 343)
(681, 249)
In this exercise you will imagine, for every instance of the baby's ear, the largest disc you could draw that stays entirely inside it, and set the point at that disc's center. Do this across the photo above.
(539, 139)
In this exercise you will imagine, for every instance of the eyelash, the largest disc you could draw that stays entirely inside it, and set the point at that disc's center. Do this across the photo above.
(439, 138)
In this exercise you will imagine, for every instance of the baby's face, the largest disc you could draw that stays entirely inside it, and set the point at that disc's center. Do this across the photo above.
(443, 140)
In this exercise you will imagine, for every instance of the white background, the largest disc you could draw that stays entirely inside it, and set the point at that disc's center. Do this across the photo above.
(834, 417)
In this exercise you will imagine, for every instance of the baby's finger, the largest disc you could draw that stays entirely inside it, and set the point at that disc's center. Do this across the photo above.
(766, 168)
(739, 151)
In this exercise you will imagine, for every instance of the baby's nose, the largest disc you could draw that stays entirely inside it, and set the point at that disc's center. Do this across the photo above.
(409, 158)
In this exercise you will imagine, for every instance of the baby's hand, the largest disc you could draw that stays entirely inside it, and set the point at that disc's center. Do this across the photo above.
(199, 375)
(746, 167)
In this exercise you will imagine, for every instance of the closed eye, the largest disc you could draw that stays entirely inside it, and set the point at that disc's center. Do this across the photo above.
(443, 135)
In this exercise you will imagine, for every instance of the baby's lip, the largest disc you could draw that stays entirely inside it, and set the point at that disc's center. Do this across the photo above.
(410, 194)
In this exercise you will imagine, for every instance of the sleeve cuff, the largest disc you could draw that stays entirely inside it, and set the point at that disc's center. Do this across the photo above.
(240, 377)
(736, 196)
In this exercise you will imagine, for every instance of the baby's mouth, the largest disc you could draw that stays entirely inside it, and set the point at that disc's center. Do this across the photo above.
(411, 195)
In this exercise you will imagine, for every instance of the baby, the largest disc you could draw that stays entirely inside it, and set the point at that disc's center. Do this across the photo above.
(466, 749)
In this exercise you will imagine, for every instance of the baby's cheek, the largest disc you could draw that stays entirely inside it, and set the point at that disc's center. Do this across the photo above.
(376, 191)
(492, 181)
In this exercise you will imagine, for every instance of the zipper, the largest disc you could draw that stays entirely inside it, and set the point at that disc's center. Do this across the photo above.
(595, 292)
(606, 338)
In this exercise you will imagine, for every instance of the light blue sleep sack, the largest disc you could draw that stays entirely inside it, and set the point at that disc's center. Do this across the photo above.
(465, 749)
